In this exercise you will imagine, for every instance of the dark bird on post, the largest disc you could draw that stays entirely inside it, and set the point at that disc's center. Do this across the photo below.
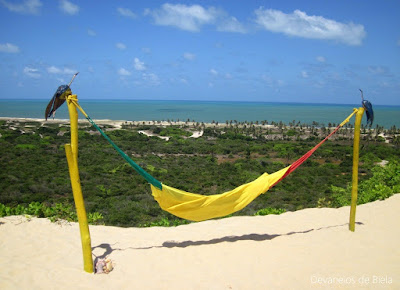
(368, 109)
(59, 98)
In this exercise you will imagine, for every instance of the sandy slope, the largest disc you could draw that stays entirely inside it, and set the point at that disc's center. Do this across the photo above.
(311, 248)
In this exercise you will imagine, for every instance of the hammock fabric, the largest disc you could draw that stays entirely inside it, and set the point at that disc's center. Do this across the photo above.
(197, 207)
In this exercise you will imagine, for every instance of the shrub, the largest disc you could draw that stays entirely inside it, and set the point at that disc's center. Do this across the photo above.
(270, 210)
(59, 211)
(25, 146)
(385, 181)
(165, 222)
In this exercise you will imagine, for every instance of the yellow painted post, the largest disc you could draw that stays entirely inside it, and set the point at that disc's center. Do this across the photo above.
(71, 151)
(356, 149)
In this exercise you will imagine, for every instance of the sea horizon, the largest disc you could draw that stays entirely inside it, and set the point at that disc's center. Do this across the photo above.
(195, 101)
(203, 111)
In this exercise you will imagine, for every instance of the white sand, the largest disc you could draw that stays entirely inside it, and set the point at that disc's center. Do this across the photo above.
(197, 134)
(151, 134)
(311, 248)
(118, 123)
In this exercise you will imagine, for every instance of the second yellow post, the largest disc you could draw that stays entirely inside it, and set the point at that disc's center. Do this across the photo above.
(356, 149)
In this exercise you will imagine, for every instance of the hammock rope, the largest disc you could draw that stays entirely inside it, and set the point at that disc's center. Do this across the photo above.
(150, 179)
(197, 207)
(303, 158)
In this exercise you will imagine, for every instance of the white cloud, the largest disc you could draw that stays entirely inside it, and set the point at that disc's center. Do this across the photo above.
(184, 81)
(9, 48)
(231, 24)
(151, 78)
(228, 76)
(378, 70)
(126, 12)
(193, 17)
(31, 72)
(124, 72)
(300, 24)
(146, 50)
(213, 72)
(384, 84)
(320, 58)
(55, 70)
(319, 84)
(304, 74)
(91, 32)
(189, 56)
(267, 79)
(138, 65)
(272, 82)
(120, 45)
(69, 7)
(61, 81)
(26, 7)
(69, 71)
(185, 17)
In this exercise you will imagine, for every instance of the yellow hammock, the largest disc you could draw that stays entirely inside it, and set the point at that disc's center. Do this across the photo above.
(197, 207)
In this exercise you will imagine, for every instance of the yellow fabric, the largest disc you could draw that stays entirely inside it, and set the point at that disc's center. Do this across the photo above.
(197, 207)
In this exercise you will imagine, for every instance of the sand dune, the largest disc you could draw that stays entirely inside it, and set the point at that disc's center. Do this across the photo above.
(311, 248)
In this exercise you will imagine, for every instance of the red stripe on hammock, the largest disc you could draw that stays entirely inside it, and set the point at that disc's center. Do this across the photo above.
(303, 158)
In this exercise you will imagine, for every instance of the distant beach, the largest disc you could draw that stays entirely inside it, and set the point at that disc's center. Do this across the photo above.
(203, 111)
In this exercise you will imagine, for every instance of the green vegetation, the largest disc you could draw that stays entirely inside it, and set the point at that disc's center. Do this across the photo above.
(385, 181)
(34, 168)
(270, 210)
(55, 213)
(166, 222)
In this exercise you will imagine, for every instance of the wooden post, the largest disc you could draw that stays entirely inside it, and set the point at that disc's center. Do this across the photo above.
(71, 151)
(356, 149)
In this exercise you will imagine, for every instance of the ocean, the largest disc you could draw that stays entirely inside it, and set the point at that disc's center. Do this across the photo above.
(203, 111)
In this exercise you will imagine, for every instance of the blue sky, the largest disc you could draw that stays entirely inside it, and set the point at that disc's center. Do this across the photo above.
(272, 51)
